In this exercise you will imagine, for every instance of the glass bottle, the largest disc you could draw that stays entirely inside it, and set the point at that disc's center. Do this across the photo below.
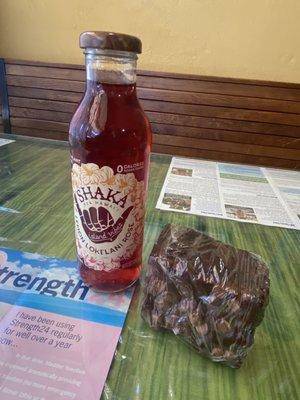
(110, 143)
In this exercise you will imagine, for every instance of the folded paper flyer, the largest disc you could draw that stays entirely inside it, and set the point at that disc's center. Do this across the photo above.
(3, 142)
(265, 196)
(57, 336)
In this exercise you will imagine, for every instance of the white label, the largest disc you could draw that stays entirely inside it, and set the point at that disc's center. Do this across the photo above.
(109, 216)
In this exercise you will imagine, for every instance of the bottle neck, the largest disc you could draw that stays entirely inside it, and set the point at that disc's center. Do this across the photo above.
(110, 67)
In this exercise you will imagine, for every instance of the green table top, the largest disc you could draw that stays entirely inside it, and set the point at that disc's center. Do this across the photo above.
(150, 365)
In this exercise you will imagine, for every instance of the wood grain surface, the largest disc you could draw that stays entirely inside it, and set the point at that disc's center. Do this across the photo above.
(150, 365)
(236, 120)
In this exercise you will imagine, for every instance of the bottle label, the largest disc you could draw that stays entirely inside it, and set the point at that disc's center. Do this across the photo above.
(109, 216)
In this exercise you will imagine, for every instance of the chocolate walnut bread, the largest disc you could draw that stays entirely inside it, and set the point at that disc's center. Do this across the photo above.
(209, 293)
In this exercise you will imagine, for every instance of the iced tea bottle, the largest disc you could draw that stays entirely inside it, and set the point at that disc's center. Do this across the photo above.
(110, 142)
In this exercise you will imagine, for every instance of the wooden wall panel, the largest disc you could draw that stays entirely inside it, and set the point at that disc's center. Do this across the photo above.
(234, 120)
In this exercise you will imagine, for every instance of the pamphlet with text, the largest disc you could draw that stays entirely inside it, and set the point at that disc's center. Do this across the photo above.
(244, 193)
(57, 336)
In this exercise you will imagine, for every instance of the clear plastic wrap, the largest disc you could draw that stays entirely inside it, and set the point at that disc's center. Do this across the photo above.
(210, 294)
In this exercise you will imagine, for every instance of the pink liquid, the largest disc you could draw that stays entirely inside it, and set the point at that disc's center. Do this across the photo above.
(110, 128)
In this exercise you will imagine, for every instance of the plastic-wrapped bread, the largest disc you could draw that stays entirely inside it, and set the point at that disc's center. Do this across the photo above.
(210, 294)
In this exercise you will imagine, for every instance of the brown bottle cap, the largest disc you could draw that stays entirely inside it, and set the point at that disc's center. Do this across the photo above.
(110, 41)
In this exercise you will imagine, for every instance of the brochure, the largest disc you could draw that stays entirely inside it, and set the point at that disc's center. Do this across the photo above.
(244, 193)
(5, 141)
(57, 336)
